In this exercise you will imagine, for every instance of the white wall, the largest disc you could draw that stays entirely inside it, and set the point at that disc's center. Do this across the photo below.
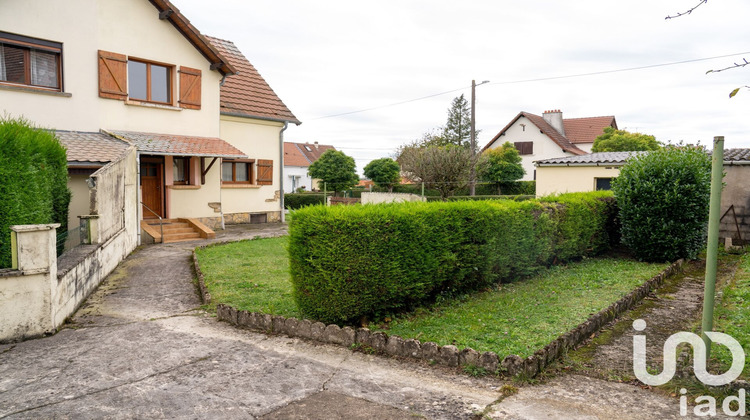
(303, 180)
(562, 179)
(544, 147)
(130, 27)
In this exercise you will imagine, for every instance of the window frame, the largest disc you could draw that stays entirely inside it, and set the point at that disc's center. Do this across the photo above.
(250, 171)
(27, 44)
(186, 169)
(170, 80)
(602, 178)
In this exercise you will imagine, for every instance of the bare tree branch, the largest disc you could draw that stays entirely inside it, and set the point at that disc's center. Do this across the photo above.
(689, 11)
(736, 65)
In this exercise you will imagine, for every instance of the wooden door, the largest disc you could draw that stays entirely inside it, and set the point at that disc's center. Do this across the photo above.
(151, 189)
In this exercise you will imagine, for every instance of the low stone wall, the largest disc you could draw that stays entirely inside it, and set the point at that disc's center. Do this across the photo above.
(449, 355)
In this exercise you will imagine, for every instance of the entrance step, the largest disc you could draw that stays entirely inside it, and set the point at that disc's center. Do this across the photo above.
(176, 230)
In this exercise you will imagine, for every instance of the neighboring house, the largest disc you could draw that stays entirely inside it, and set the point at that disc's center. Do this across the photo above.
(588, 172)
(550, 136)
(735, 198)
(108, 74)
(595, 171)
(297, 159)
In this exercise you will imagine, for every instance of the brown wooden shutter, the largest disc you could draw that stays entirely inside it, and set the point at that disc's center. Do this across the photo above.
(190, 88)
(265, 172)
(113, 75)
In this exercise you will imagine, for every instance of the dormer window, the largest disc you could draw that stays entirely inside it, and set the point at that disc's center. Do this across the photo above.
(31, 62)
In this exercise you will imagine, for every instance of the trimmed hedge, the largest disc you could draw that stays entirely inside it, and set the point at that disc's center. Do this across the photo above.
(348, 262)
(34, 187)
(297, 201)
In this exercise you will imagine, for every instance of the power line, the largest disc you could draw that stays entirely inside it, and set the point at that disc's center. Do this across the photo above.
(540, 79)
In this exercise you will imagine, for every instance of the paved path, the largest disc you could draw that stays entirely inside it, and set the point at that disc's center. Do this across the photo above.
(141, 347)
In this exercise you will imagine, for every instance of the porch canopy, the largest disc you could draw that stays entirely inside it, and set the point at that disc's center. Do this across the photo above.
(176, 145)
(90, 150)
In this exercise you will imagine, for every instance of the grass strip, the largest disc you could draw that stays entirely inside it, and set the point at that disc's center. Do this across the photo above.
(732, 316)
(524, 316)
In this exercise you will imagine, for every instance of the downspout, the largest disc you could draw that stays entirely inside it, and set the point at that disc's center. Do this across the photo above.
(139, 212)
(281, 169)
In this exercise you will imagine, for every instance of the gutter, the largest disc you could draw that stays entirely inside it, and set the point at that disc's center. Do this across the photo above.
(281, 169)
(258, 117)
(538, 165)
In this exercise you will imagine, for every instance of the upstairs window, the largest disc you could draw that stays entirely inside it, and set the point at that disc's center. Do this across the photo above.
(149, 82)
(128, 78)
(30, 62)
(524, 147)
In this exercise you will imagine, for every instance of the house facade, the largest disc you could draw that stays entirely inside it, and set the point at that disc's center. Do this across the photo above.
(549, 136)
(580, 173)
(108, 74)
(297, 159)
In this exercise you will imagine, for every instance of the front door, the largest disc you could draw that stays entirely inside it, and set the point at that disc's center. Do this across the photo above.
(152, 188)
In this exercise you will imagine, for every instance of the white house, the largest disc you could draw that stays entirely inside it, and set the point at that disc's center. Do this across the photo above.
(208, 130)
(297, 159)
(550, 136)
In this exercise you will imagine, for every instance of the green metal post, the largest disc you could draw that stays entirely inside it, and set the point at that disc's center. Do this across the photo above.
(712, 250)
(423, 189)
(325, 193)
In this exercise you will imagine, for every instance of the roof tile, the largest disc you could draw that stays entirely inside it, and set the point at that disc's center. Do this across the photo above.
(91, 148)
(247, 93)
(171, 144)
(586, 130)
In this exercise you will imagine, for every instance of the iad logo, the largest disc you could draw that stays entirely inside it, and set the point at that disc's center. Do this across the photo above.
(699, 366)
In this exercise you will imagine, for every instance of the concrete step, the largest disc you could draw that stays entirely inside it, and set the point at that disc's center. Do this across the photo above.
(177, 237)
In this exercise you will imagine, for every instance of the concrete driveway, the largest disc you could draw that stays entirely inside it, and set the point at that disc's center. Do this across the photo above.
(141, 347)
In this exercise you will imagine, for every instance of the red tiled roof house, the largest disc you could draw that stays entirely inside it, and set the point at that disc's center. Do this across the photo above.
(297, 159)
(118, 75)
(550, 136)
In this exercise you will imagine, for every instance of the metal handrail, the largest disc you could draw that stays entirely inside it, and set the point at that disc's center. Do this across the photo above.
(161, 223)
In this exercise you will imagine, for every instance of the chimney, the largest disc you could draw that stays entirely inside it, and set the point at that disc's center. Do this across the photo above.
(316, 144)
(555, 119)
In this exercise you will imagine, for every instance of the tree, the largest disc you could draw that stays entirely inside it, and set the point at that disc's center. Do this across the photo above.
(384, 172)
(663, 197)
(457, 130)
(445, 168)
(335, 169)
(501, 165)
(623, 141)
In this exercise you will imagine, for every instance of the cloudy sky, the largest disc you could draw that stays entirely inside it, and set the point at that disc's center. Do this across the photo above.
(401, 62)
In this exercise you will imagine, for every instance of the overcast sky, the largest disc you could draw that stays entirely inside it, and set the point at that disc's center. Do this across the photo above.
(326, 58)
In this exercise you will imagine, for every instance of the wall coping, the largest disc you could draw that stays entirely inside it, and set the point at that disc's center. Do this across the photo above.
(34, 228)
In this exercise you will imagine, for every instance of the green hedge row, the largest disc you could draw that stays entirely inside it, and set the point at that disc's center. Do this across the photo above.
(297, 201)
(34, 186)
(348, 262)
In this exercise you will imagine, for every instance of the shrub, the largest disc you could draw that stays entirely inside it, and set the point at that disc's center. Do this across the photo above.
(663, 198)
(34, 190)
(296, 201)
(348, 262)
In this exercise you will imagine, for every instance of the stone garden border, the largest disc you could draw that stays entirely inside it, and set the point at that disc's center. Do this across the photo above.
(449, 355)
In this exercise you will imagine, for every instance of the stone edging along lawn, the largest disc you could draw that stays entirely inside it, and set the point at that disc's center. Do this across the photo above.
(449, 355)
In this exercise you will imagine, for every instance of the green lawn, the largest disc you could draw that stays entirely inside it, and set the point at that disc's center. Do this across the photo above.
(732, 316)
(522, 317)
(250, 275)
(516, 318)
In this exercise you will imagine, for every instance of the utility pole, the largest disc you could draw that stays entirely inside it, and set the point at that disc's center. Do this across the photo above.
(473, 139)
(712, 248)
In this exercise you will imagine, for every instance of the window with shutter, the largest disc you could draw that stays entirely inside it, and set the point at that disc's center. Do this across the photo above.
(190, 88)
(113, 75)
(265, 172)
(524, 147)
